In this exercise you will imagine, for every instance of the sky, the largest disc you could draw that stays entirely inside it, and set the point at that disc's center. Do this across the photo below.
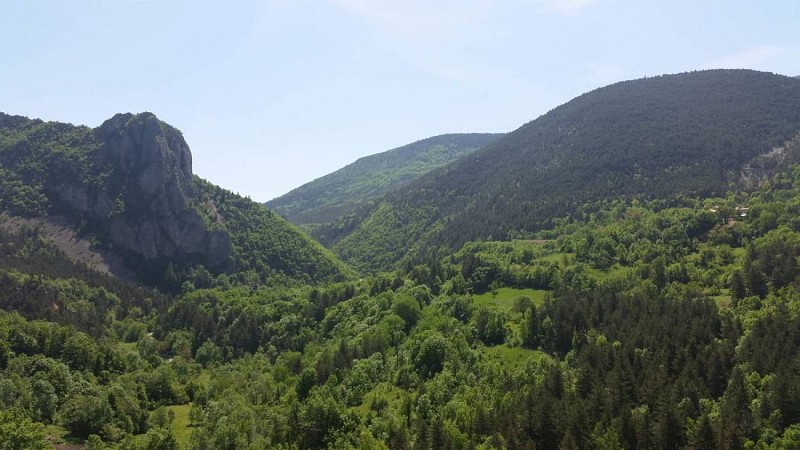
(272, 94)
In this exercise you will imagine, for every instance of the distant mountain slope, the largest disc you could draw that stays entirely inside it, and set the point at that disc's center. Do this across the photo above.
(690, 133)
(341, 192)
(128, 185)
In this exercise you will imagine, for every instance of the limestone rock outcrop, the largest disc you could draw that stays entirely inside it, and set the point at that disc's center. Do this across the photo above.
(144, 195)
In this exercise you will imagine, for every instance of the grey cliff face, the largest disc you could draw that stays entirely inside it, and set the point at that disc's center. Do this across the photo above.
(145, 194)
(150, 155)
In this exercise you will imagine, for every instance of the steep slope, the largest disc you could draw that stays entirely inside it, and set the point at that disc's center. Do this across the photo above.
(59, 233)
(344, 191)
(128, 184)
(688, 134)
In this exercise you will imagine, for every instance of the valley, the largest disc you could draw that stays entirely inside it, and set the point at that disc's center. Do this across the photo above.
(621, 272)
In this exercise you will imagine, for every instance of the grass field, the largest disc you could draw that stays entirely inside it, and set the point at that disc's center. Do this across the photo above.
(504, 297)
(513, 356)
(615, 271)
(392, 394)
(532, 241)
(601, 275)
(557, 257)
(127, 348)
(181, 426)
(723, 300)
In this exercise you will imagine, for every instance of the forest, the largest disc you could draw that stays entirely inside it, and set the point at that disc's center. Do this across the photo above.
(369, 178)
(695, 134)
(641, 325)
(622, 272)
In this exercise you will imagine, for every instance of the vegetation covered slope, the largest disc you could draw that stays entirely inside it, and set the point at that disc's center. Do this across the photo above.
(642, 327)
(326, 199)
(689, 134)
(128, 185)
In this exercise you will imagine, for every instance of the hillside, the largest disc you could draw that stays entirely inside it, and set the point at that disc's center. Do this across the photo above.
(128, 186)
(345, 190)
(690, 134)
(650, 323)
(645, 327)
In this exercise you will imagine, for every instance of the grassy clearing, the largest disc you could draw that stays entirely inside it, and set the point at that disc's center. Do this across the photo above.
(181, 426)
(615, 271)
(392, 394)
(532, 241)
(128, 348)
(204, 379)
(723, 300)
(557, 257)
(513, 356)
(504, 297)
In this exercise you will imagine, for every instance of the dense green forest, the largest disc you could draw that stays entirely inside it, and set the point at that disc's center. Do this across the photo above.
(346, 190)
(654, 306)
(648, 324)
(265, 246)
(695, 134)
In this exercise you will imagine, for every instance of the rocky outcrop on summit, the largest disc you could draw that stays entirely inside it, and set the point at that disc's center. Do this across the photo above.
(133, 186)
(150, 154)
(149, 197)
(128, 185)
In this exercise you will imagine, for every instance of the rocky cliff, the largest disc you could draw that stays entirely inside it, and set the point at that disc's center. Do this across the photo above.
(128, 185)
(129, 182)
(154, 211)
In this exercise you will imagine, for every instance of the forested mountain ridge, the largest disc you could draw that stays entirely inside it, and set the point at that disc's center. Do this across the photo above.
(646, 324)
(345, 190)
(128, 184)
(641, 327)
(689, 134)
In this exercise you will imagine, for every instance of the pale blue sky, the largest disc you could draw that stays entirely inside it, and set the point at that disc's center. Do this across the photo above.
(272, 94)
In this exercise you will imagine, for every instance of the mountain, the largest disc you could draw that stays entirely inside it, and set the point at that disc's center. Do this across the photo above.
(661, 321)
(692, 134)
(128, 185)
(344, 191)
